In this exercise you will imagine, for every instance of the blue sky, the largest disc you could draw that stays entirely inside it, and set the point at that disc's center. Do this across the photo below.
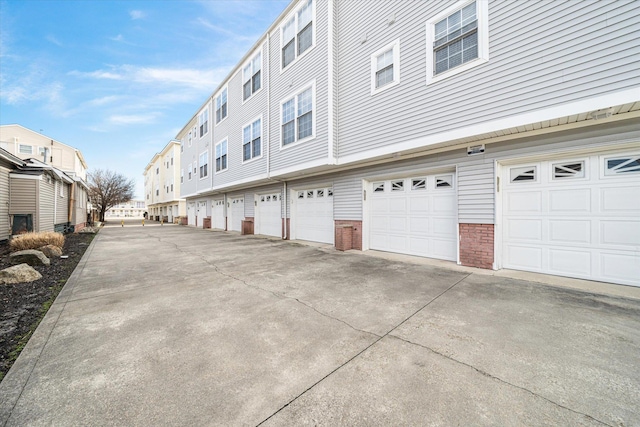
(119, 79)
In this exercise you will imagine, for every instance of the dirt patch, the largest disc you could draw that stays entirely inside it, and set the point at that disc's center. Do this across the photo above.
(25, 304)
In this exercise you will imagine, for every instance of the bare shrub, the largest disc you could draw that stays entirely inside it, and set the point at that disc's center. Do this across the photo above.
(36, 240)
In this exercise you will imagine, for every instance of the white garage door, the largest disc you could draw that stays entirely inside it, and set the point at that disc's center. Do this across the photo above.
(577, 217)
(236, 211)
(191, 213)
(313, 215)
(268, 215)
(217, 210)
(415, 216)
(201, 213)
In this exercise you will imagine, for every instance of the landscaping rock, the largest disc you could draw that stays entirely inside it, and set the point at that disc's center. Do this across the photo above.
(20, 273)
(51, 251)
(29, 256)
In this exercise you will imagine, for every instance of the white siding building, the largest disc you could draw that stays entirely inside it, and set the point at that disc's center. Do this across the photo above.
(162, 185)
(491, 133)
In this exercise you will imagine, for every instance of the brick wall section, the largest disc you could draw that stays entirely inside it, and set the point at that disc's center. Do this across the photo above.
(285, 227)
(355, 231)
(344, 237)
(206, 222)
(247, 226)
(476, 245)
(79, 227)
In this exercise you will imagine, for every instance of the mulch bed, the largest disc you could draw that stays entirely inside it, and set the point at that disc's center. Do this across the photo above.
(23, 305)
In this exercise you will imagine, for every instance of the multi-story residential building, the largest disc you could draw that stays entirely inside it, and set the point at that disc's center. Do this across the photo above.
(490, 133)
(162, 185)
(27, 144)
(131, 209)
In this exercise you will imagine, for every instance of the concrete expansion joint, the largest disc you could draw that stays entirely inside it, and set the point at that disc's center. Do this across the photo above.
(493, 377)
(378, 339)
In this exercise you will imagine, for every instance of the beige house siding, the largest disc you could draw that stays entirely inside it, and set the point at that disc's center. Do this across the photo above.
(46, 205)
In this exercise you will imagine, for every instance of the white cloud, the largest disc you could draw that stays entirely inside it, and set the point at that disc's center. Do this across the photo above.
(133, 119)
(137, 14)
(99, 74)
(51, 38)
(118, 38)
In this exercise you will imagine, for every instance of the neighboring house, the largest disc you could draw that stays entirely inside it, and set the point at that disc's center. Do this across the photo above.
(38, 197)
(27, 144)
(130, 209)
(8, 163)
(489, 133)
(162, 185)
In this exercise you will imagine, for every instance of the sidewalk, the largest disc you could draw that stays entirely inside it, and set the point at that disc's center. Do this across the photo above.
(171, 325)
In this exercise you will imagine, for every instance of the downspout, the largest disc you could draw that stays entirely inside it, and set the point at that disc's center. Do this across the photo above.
(55, 202)
(285, 211)
(72, 199)
(268, 121)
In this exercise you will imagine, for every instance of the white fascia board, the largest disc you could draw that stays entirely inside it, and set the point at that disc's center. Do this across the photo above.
(24, 176)
(302, 167)
(250, 180)
(583, 106)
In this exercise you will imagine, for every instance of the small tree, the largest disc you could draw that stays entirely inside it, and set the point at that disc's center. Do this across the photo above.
(108, 189)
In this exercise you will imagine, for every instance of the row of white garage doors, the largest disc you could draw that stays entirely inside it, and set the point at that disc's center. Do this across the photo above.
(577, 217)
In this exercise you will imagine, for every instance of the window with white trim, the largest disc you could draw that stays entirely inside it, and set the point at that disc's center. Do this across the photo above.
(204, 164)
(42, 151)
(182, 176)
(251, 140)
(25, 149)
(189, 171)
(457, 39)
(190, 139)
(297, 117)
(221, 106)
(385, 67)
(252, 76)
(221, 156)
(444, 181)
(203, 122)
(296, 34)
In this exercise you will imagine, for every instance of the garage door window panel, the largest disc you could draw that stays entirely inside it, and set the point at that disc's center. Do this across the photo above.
(622, 165)
(568, 170)
(524, 174)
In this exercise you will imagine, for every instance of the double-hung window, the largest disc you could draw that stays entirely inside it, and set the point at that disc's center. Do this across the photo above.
(221, 156)
(203, 122)
(190, 138)
(204, 163)
(221, 106)
(25, 149)
(189, 171)
(251, 140)
(457, 39)
(385, 67)
(251, 76)
(182, 176)
(297, 33)
(297, 117)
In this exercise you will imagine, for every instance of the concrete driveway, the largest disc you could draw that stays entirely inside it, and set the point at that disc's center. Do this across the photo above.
(171, 325)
